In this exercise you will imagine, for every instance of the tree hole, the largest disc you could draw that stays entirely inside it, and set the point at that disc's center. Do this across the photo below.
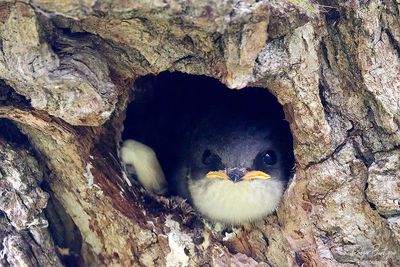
(172, 112)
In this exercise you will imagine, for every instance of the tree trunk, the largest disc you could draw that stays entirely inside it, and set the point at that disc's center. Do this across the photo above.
(66, 73)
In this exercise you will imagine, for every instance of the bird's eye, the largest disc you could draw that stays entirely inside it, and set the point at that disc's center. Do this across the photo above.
(209, 158)
(269, 157)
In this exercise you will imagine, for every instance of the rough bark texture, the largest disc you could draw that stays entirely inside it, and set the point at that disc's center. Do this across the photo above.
(66, 70)
(25, 240)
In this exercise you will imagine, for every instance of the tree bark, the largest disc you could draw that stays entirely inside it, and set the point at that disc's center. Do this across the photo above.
(25, 240)
(66, 72)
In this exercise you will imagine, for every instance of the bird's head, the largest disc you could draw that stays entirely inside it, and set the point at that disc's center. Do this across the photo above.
(239, 166)
(240, 149)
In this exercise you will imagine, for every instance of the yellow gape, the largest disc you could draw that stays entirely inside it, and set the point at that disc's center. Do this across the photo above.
(217, 175)
(253, 175)
(256, 175)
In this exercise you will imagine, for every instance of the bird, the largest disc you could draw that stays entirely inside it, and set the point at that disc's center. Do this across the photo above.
(233, 166)
(237, 166)
(141, 160)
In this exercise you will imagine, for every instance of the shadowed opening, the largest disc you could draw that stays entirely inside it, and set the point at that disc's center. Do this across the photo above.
(166, 109)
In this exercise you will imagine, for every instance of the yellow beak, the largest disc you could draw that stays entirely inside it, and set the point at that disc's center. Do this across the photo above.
(256, 175)
(247, 177)
(217, 175)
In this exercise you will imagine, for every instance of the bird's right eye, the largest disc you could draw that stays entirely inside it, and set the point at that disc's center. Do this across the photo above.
(269, 157)
(209, 158)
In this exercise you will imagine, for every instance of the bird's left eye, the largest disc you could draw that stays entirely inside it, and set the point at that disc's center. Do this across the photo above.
(269, 157)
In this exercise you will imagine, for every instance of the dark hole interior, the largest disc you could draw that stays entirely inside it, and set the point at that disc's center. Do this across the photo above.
(167, 107)
(10, 133)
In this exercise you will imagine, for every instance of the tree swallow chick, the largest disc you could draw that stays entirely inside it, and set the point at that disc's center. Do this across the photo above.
(146, 166)
(237, 167)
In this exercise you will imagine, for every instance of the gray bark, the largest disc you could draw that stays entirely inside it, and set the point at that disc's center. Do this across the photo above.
(67, 68)
(25, 240)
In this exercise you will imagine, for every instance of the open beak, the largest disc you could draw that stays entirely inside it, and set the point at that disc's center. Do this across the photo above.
(236, 176)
